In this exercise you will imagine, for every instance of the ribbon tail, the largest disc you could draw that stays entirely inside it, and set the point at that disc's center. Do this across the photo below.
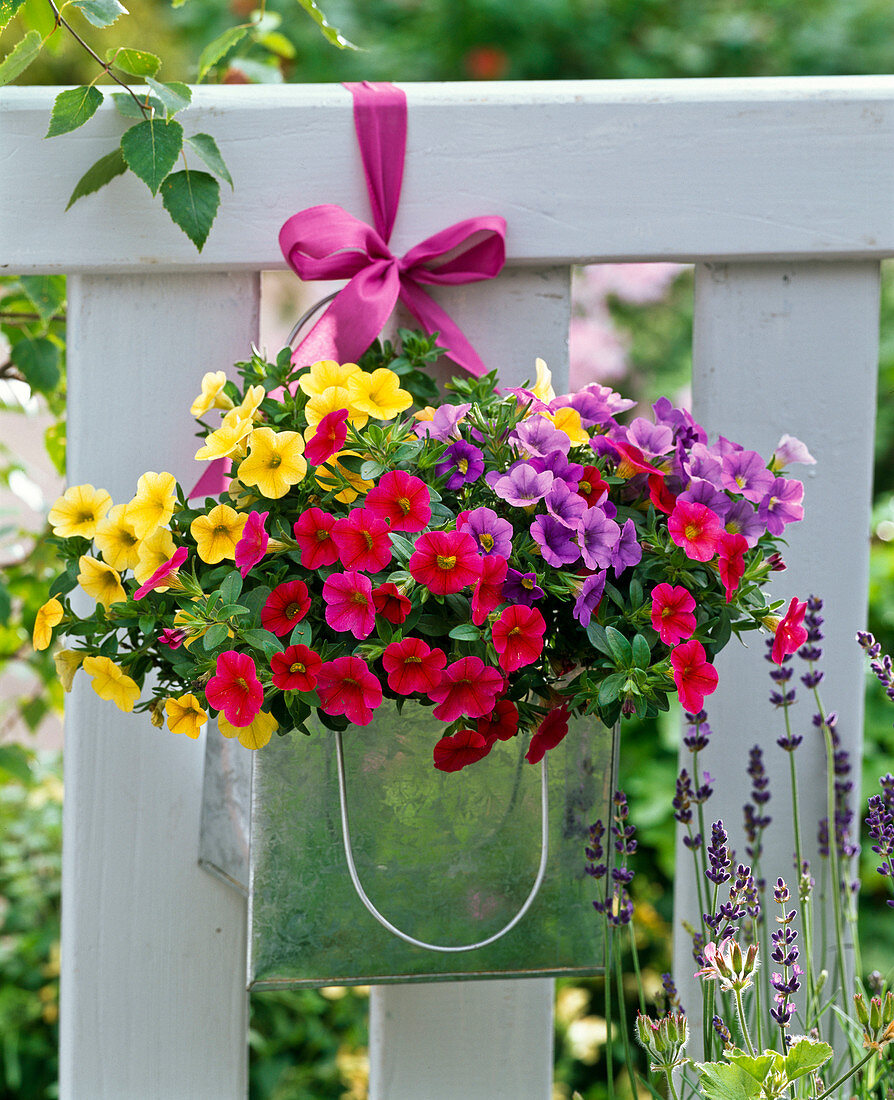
(435, 319)
(213, 480)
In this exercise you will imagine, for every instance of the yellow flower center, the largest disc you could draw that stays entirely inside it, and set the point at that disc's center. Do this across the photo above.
(297, 667)
(527, 583)
(86, 517)
(584, 488)
(487, 541)
(691, 531)
(358, 597)
(463, 465)
(446, 563)
(292, 610)
(240, 682)
(413, 660)
(369, 540)
(404, 505)
(275, 460)
(221, 531)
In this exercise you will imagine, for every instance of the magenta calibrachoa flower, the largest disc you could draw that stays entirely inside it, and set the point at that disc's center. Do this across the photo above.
(349, 603)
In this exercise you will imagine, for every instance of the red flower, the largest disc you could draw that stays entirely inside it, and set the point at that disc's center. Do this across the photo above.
(672, 607)
(731, 561)
(549, 733)
(349, 604)
(401, 500)
(362, 541)
(696, 528)
(253, 544)
(235, 689)
(391, 603)
(286, 606)
(460, 750)
(501, 724)
(313, 533)
(412, 666)
(445, 561)
(488, 592)
(790, 634)
(173, 637)
(518, 636)
(694, 676)
(328, 439)
(295, 669)
(592, 487)
(631, 460)
(659, 494)
(346, 686)
(469, 687)
(162, 575)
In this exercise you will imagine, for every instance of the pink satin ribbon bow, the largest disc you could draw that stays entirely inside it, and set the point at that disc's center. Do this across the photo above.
(326, 242)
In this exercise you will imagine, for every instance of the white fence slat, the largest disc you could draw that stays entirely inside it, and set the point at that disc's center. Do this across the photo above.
(153, 1001)
(586, 170)
(790, 348)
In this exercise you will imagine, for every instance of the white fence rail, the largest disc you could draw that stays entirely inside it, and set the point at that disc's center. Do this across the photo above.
(779, 190)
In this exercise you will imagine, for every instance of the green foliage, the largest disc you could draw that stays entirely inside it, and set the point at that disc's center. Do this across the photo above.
(192, 198)
(73, 108)
(133, 62)
(99, 174)
(19, 57)
(101, 13)
(151, 149)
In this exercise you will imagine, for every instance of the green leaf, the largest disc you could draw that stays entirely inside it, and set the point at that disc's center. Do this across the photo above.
(277, 43)
(175, 96)
(265, 641)
(806, 1056)
(302, 634)
(371, 469)
(757, 1066)
(465, 632)
(214, 636)
(642, 654)
(330, 33)
(38, 360)
(98, 175)
(14, 760)
(610, 688)
(217, 50)
(192, 199)
(20, 57)
(722, 1082)
(54, 441)
(126, 106)
(231, 586)
(8, 8)
(151, 149)
(403, 548)
(622, 651)
(596, 634)
(72, 108)
(101, 13)
(206, 147)
(46, 293)
(134, 62)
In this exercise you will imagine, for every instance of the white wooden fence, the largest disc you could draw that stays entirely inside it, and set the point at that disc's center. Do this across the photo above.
(780, 191)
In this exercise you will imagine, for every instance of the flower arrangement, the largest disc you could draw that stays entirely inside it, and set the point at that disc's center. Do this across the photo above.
(508, 557)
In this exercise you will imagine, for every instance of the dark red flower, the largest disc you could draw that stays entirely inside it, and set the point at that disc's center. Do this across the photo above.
(790, 634)
(549, 733)
(731, 561)
(463, 748)
(346, 686)
(328, 439)
(253, 544)
(285, 607)
(402, 500)
(445, 561)
(412, 666)
(391, 603)
(313, 533)
(235, 689)
(518, 636)
(488, 592)
(295, 669)
(659, 494)
(592, 487)
(469, 687)
(501, 724)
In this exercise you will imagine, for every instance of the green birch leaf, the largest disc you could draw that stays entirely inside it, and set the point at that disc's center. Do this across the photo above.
(217, 50)
(20, 57)
(174, 95)
(134, 62)
(277, 43)
(38, 360)
(206, 147)
(125, 105)
(330, 33)
(101, 13)
(192, 199)
(72, 108)
(8, 8)
(151, 149)
(98, 175)
(46, 292)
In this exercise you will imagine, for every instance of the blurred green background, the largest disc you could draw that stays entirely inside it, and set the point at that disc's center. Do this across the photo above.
(312, 1043)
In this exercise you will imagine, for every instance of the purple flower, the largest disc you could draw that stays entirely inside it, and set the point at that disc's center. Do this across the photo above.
(652, 439)
(523, 485)
(703, 464)
(555, 540)
(627, 550)
(718, 855)
(466, 462)
(781, 505)
(561, 469)
(588, 601)
(680, 421)
(596, 404)
(537, 436)
(598, 536)
(493, 534)
(742, 519)
(444, 425)
(745, 472)
(789, 450)
(564, 504)
(703, 492)
(521, 588)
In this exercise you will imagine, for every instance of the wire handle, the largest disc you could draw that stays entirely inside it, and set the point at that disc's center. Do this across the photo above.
(361, 893)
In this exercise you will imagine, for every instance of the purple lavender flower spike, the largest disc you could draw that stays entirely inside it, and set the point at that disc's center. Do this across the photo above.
(880, 824)
(493, 534)
(627, 550)
(598, 536)
(464, 460)
(565, 505)
(718, 855)
(522, 485)
(555, 540)
(781, 505)
(745, 472)
(589, 599)
(521, 588)
(538, 436)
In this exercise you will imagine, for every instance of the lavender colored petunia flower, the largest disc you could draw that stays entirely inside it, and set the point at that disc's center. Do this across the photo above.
(444, 426)
(589, 599)
(680, 421)
(781, 505)
(598, 536)
(555, 540)
(521, 588)
(703, 492)
(742, 519)
(745, 472)
(523, 485)
(652, 439)
(464, 460)
(702, 464)
(627, 550)
(493, 534)
(561, 469)
(538, 436)
(789, 450)
(565, 504)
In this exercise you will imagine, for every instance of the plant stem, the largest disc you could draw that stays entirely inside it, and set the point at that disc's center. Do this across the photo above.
(743, 1023)
(844, 1077)
(625, 1038)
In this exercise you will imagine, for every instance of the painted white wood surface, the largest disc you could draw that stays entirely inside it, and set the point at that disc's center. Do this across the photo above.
(597, 170)
(789, 348)
(153, 1002)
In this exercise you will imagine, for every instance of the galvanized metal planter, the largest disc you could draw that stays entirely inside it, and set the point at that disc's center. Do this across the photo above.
(449, 859)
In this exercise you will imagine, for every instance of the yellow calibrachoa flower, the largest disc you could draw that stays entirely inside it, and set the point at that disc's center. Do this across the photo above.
(324, 375)
(117, 540)
(152, 553)
(249, 405)
(358, 485)
(543, 385)
(111, 682)
(153, 505)
(568, 421)
(78, 510)
(47, 617)
(185, 715)
(378, 394)
(331, 399)
(426, 413)
(100, 581)
(67, 662)
(233, 429)
(212, 395)
(254, 736)
(275, 462)
(217, 533)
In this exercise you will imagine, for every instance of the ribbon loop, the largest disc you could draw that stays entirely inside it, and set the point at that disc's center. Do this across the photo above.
(326, 242)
